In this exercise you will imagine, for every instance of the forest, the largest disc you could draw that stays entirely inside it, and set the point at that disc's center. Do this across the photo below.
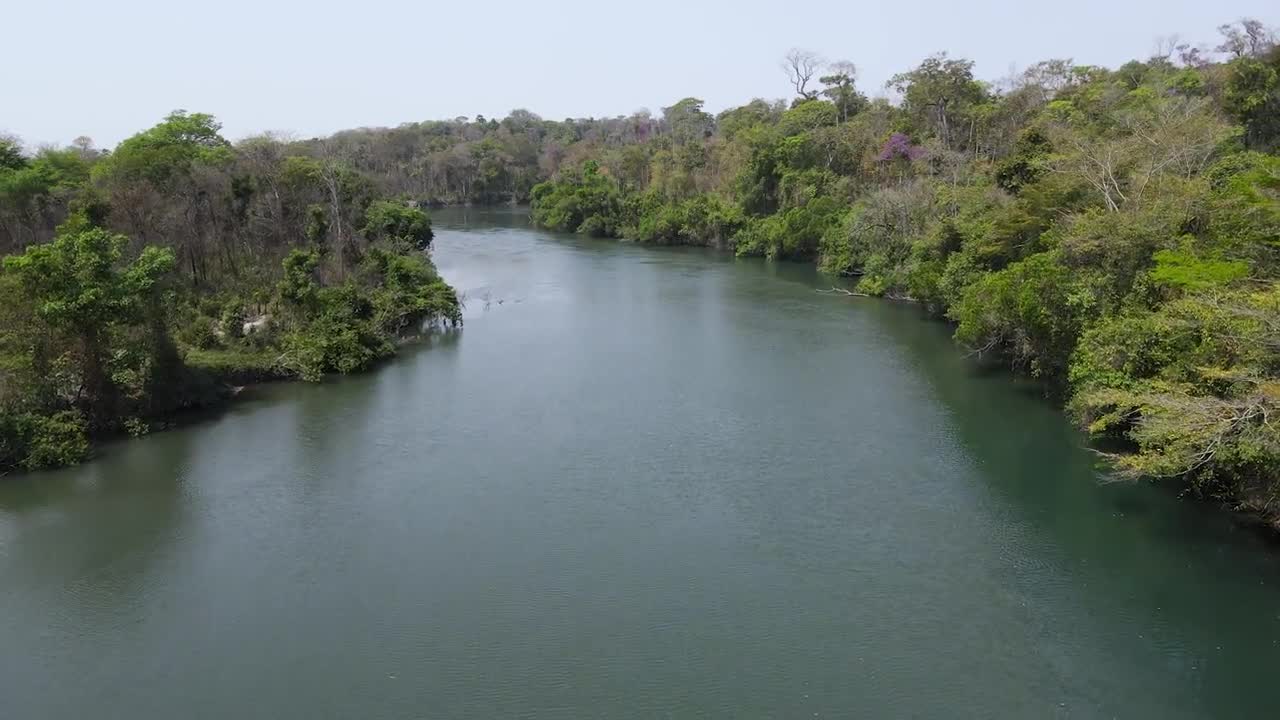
(1113, 232)
(156, 278)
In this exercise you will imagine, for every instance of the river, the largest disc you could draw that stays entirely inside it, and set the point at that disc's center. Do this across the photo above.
(640, 483)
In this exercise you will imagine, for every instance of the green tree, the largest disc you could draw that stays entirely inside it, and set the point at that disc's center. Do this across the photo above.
(687, 121)
(941, 95)
(840, 89)
(1253, 97)
(80, 288)
(389, 220)
(169, 150)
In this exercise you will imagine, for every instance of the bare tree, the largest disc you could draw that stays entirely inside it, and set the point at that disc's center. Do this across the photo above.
(1246, 38)
(1164, 46)
(801, 66)
(845, 68)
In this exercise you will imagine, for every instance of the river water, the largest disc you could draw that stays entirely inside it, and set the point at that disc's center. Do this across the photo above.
(640, 483)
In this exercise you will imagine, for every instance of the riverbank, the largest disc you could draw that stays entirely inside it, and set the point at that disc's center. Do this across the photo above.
(648, 464)
(1111, 233)
(1139, 435)
(1248, 494)
(214, 380)
(122, 303)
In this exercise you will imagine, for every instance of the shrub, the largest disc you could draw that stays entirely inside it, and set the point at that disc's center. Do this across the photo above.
(53, 440)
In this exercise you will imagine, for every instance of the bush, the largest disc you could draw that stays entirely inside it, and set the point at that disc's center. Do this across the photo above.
(43, 441)
(232, 320)
(585, 201)
(1027, 311)
(703, 220)
(389, 220)
(200, 332)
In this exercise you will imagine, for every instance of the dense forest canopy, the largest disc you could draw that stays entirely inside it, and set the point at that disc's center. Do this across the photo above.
(1115, 232)
(146, 280)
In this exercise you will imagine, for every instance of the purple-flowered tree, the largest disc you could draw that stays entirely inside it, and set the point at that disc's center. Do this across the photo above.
(899, 147)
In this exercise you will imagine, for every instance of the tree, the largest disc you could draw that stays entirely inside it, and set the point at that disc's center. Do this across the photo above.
(1052, 77)
(169, 150)
(841, 91)
(11, 157)
(800, 67)
(1246, 38)
(941, 93)
(389, 220)
(80, 288)
(687, 121)
(163, 177)
(1158, 137)
(1253, 97)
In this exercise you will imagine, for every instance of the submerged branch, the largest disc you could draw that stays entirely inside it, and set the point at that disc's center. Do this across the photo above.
(841, 291)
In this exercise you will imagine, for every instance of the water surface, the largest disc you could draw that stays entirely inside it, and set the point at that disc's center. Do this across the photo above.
(640, 483)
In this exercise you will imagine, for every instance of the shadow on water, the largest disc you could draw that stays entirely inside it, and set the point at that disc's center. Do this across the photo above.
(1169, 573)
(133, 464)
(983, 397)
(90, 564)
(483, 218)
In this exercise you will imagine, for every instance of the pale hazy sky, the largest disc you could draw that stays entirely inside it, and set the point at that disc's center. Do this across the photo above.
(108, 68)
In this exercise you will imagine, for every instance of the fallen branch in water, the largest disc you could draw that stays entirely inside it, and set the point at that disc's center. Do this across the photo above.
(978, 352)
(841, 291)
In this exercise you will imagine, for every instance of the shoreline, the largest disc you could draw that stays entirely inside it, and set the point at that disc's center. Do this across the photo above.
(1239, 509)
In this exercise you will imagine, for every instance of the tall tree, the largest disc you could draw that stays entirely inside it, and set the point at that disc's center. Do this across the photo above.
(941, 93)
(80, 288)
(839, 88)
(800, 67)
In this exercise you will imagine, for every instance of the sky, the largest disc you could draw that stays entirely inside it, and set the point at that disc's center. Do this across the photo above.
(110, 68)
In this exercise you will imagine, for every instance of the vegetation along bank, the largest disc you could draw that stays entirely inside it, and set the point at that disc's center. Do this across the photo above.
(149, 280)
(1113, 232)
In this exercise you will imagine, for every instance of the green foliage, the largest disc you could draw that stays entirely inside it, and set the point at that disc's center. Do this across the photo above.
(1029, 311)
(793, 234)
(688, 123)
(702, 220)
(346, 328)
(56, 440)
(292, 266)
(1253, 97)
(1113, 232)
(43, 441)
(298, 286)
(238, 365)
(341, 338)
(406, 292)
(169, 150)
(11, 157)
(942, 97)
(79, 289)
(586, 201)
(809, 115)
(1027, 163)
(1192, 385)
(385, 220)
(1184, 271)
(879, 231)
